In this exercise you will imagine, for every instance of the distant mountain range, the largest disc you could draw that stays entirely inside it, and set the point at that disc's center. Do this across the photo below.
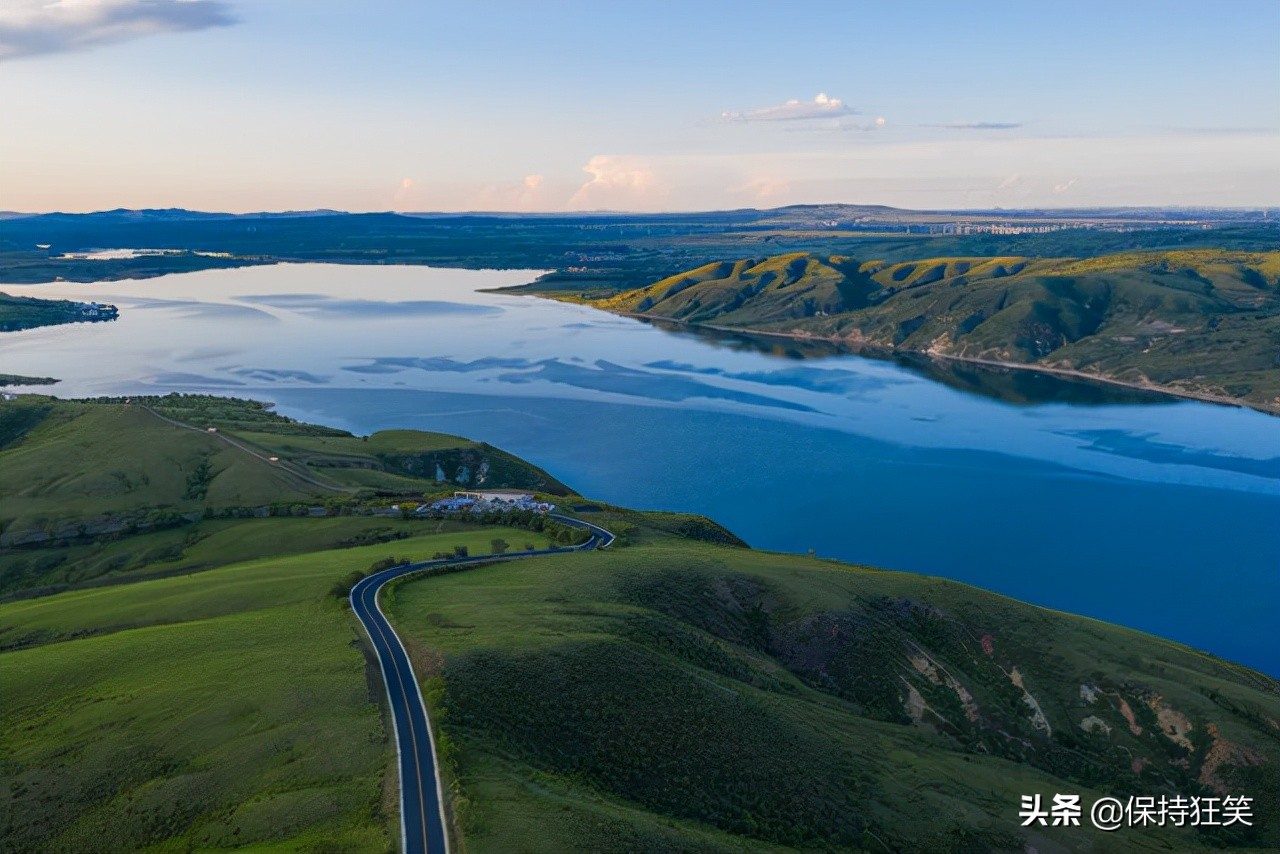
(789, 213)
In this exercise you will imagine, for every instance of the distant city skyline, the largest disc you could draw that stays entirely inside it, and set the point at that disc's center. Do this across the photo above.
(240, 106)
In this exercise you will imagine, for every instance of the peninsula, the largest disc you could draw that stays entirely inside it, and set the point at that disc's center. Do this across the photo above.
(1199, 323)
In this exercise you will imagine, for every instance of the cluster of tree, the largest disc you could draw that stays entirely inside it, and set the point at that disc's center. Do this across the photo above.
(342, 589)
(556, 532)
(370, 537)
(458, 552)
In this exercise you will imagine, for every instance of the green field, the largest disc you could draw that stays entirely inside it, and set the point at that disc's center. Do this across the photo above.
(679, 696)
(232, 708)
(91, 491)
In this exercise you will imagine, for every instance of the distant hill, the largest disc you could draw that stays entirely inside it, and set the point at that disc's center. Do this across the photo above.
(598, 252)
(1199, 322)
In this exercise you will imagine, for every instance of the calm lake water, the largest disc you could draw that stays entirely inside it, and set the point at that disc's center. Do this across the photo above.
(1160, 516)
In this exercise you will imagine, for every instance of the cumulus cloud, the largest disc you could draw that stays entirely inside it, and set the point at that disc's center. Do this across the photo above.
(34, 27)
(1064, 186)
(617, 182)
(821, 107)
(978, 125)
(527, 194)
(764, 190)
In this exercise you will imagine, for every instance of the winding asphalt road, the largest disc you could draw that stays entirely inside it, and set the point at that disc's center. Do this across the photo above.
(422, 821)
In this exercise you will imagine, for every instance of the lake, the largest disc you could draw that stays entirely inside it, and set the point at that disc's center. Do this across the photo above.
(1163, 516)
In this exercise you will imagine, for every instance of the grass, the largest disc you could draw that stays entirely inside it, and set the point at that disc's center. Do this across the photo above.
(700, 697)
(85, 461)
(227, 709)
(94, 490)
(400, 459)
(195, 547)
(676, 693)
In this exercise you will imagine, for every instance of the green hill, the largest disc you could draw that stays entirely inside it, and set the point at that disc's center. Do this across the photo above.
(676, 696)
(1198, 322)
(94, 490)
(198, 683)
(225, 709)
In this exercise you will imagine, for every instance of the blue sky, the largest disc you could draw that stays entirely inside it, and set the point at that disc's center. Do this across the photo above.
(283, 104)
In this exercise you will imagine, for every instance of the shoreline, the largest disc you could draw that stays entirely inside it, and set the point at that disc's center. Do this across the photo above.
(1070, 373)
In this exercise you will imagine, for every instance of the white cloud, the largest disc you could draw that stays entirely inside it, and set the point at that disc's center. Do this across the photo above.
(975, 170)
(527, 194)
(764, 190)
(821, 107)
(620, 182)
(33, 27)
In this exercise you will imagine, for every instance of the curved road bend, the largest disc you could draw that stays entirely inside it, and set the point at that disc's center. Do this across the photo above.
(422, 821)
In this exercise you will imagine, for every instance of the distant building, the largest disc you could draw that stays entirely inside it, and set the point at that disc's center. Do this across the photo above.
(498, 500)
(98, 311)
(495, 495)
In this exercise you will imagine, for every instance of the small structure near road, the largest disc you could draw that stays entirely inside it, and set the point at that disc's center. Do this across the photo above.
(508, 495)
(487, 502)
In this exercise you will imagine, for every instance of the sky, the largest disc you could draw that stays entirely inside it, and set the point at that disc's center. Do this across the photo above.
(249, 105)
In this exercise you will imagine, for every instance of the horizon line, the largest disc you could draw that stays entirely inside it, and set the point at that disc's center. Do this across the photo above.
(10, 214)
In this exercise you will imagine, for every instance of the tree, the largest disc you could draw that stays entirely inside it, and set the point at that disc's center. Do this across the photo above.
(498, 545)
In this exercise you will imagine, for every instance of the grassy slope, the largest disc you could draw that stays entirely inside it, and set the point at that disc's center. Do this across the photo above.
(196, 547)
(389, 459)
(224, 709)
(101, 481)
(395, 459)
(88, 460)
(1203, 321)
(672, 695)
(680, 696)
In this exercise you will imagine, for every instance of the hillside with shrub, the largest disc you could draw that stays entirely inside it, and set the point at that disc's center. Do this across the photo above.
(1196, 322)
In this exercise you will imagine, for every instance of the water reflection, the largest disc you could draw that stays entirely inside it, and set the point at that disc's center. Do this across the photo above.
(1010, 480)
(1004, 384)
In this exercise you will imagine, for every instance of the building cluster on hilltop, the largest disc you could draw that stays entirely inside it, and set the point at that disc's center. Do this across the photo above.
(486, 502)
